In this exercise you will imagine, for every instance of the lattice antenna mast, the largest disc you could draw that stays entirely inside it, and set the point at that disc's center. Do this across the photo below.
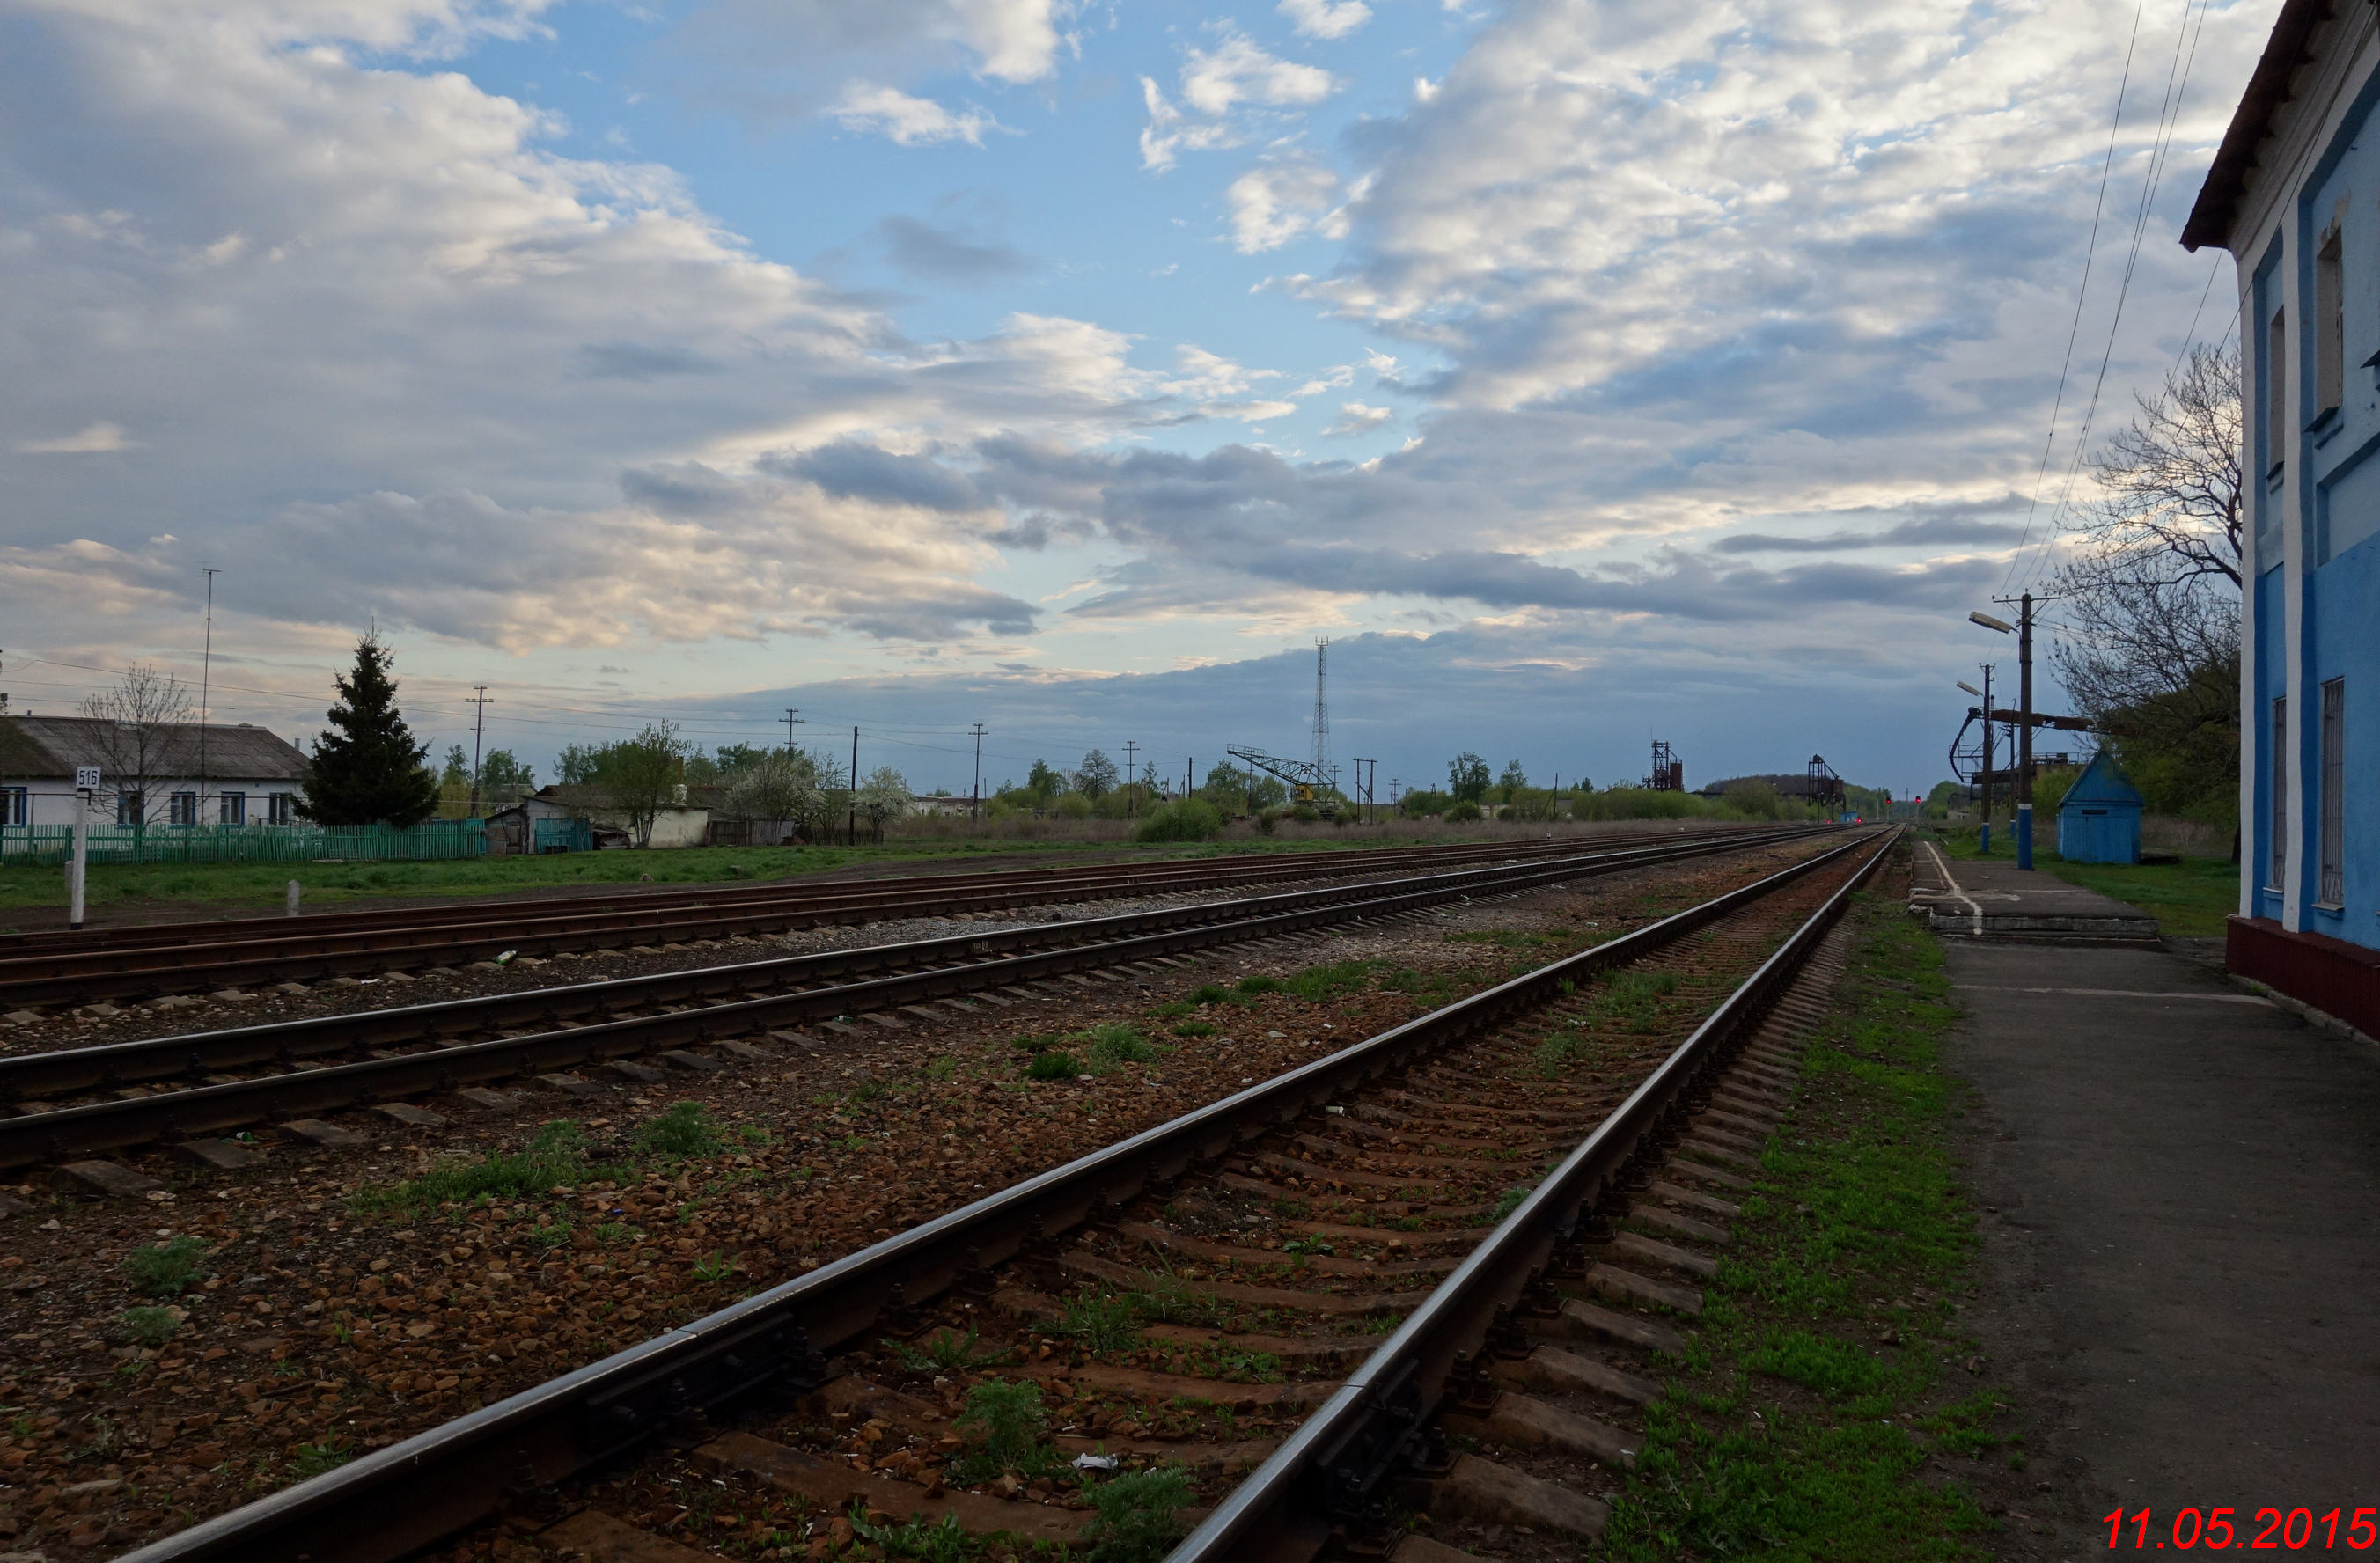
(1321, 709)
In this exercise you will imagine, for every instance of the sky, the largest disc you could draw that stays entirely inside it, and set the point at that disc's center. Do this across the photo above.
(1586, 371)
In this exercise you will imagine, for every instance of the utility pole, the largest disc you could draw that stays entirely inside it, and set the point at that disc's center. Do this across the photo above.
(1130, 748)
(1984, 836)
(478, 730)
(793, 715)
(2024, 731)
(851, 826)
(975, 796)
(206, 677)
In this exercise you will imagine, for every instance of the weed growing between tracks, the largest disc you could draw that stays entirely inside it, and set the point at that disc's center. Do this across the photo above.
(1822, 1396)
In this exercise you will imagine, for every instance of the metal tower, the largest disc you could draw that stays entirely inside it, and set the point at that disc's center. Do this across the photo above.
(1321, 710)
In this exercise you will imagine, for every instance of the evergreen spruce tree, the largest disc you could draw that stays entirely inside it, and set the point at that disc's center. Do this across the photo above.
(367, 769)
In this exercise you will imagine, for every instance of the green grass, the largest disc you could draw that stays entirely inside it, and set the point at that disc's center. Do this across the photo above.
(261, 885)
(2189, 899)
(556, 1158)
(687, 1129)
(1793, 1432)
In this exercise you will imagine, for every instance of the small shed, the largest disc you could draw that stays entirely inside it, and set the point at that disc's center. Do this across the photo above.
(2100, 820)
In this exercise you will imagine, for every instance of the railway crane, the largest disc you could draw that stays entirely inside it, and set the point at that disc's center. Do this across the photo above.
(1306, 779)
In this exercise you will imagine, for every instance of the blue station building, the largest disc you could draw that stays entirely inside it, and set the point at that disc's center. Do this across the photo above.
(2294, 195)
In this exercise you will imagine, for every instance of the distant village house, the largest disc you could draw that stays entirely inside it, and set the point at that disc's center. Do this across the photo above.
(166, 775)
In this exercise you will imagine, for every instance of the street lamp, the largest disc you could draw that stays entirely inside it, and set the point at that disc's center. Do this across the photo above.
(2023, 630)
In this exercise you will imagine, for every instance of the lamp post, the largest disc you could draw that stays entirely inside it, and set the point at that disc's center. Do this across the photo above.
(2023, 630)
(1983, 836)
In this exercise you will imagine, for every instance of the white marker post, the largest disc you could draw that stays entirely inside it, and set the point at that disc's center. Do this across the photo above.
(293, 898)
(86, 780)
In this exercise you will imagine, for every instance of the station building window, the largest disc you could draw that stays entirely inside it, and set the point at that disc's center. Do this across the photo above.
(276, 808)
(13, 805)
(132, 809)
(2329, 326)
(182, 808)
(2276, 390)
(232, 809)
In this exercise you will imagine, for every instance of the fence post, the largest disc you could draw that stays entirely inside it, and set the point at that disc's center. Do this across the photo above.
(293, 898)
(78, 861)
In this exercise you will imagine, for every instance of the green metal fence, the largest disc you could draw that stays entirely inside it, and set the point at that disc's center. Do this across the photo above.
(37, 844)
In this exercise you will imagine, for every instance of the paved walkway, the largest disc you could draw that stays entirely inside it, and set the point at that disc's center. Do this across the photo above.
(1982, 897)
(2184, 1251)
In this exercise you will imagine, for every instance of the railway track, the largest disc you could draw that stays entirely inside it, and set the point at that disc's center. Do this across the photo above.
(1314, 1282)
(299, 1070)
(153, 960)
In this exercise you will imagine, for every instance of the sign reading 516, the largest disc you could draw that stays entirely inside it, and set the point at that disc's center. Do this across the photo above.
(87, 779)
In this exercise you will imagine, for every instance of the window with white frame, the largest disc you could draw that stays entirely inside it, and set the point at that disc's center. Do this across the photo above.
(2333, 883)
(182, 808)
(232, 809)
(2276, 390)
(2329, 326)
(13, 806)
(2276, 876)
(132, 809)
(276, 808)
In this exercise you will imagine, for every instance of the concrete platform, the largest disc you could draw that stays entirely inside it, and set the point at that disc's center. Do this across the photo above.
(2184, 1270)
(1987, 899)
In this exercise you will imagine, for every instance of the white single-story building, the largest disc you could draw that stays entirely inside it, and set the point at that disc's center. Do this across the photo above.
(175, 774)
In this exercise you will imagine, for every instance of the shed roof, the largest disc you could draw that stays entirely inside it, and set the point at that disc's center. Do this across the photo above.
(47, 746)
(2268, 89)
(2103, 783)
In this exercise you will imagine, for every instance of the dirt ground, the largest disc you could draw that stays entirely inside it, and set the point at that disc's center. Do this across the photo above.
(331, 1312)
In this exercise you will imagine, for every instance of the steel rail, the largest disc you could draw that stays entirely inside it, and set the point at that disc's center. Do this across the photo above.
(633, 898)
(1332, 1467)
(33, 1076)
(143, 971)
(410, 1494)
(64, 1134)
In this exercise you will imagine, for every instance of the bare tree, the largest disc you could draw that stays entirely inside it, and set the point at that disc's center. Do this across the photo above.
(2149, 648)
(144, 738)
(2169, 485)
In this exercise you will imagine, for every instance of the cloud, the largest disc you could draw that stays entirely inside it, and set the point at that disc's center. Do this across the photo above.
(689, 554)
(1935, 531)
(910, 122)
(1232, 86)
(1235, 71)
(529, 400)
(1356, 418)
(796, 51)
(1279, 200)
(95, 439)
(1326, 18)
(947, 253)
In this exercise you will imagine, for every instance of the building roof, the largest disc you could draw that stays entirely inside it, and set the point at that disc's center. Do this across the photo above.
(48, 746)
(2102, 784)
(2268, 89)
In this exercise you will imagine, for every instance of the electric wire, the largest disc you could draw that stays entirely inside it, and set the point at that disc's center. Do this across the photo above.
(2074, 331)
(2160, 154)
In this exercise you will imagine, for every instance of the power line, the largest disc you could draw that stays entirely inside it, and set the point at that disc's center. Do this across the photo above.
(2169, 118)
(2090, 251)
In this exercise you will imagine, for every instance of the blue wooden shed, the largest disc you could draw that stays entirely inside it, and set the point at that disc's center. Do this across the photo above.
(2100, 820)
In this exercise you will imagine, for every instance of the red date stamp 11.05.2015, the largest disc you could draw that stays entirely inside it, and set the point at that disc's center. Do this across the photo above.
(2269, 1529)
